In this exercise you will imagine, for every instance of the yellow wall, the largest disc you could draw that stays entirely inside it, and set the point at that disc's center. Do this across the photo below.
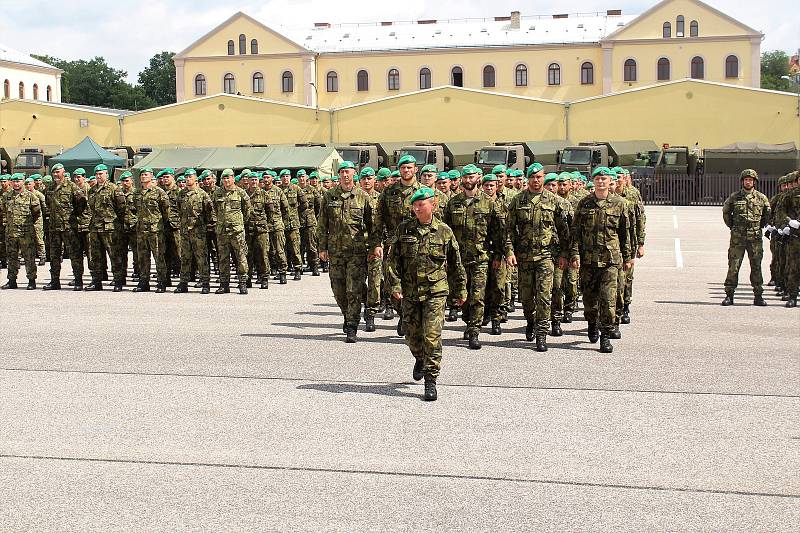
(53, 125)
(216, 43)
(225, 120)
(449, 114)
(686, 112)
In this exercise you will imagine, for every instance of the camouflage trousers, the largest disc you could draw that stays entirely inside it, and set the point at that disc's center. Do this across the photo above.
(599, 286)
(348, 276)
(172, 249)
(79, 249)
(775, 264)
(569, 285)
(236, 244)
(628, 292)
(2, 241)
(39, 229)
(512, 285)
(536, 292)
(755, 252)
(293, 248)
(25, 246)
(128, 241)
(423, 321)
(557, 300)
(102, 243)
(308, 243)
(619, 302)
(477, 274)
(792, 252)
(194, 252)
(151, 244)
(496, 291)
(374, 280)
(61, 244)
(258, 253)
(211, 247)
(277, 250)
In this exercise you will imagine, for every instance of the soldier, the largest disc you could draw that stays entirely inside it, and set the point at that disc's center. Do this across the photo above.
(30, 185)
(600, 247)
(152, 214)
(632, 195)
(66, 201)
(209, 179)
(107, 207)
(232, 208)
(745, 212)
(258, 233)
(788, 213)
(552, 182)
(277, 210)
(308, 224)
(504, 195)
(496, 282)
(297, 204)
(21, 210)
(537, 225)
(5, 188)
(372, 299)
(195, 210)
(128, 233)
(80, 248)
(172, 235)
(422, 258)
(443, 184)
(344, 231)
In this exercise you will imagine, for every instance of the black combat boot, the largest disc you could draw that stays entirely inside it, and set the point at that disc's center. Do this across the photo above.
(135, 276)
(118, 286)
(94, 286)
(605, 344)
(792, 301)
(771, 282)
(369, 322)
(77, 285)
(10, 284)
(474, 343)
(143, 286)
(486, 320)
(325, 266)
(759, 301)
(265, 282)
(541, 342)
(315, 270)
(249, 282)
(430, 390)
(198, 285)
(626, 314)
(224, 288)
(728, 300)
(400, 330)
(388, 313)
(282, 278)
(529, 331)
(161, 287)
(615, 333)
(417, 372)
(567, 318)
(242, 287)
(452, 315)
(31, 285)
(205, 289)
(496, 330)
(181, 288)
(594, 334)
(555, 329)
(465, 336)
(54, 285)
(351, 335)
(297, 275)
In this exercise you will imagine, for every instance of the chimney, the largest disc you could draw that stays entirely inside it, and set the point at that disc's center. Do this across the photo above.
(561, 16)
(386, 23)
(614, 12)
(515, 20)
(322, 25)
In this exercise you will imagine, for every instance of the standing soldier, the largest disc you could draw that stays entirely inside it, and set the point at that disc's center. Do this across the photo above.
(277, 210)
(567, 184)
(422, 258)
(80, 248)
(128, 233)
(195, 210)
(631, 194)
(372, 300)
(745, 212)
(308, 223)
(496, 283)
(553, 183)
(30, 184)
(152, 214)
(258, 234)
(297, 204)
(5, 188)
(788, 213)
(107, 207)
(233, 208)
(172, 235)
(344, 230)
(21, 210)
(65, 201)
(600, 247)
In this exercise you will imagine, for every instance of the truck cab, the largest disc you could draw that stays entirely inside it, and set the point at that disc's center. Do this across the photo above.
(584, 158)
(428, 154)
(514, 155)
(364, 155)
(30, 161)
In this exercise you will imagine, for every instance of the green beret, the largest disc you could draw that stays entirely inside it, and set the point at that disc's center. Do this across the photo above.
(17, 176)
(406, 159)
(367, 171)
(67, 174)
(285, 172)
(335, 178)
(550, 176)
(245, 173)
(384, 172)
(203, 174)
(301, 172)
(3, 177)
(748, 173)
(28, 180)
(314, 174)
(356, 178)
(227, 172)
(125, 175)
(454, 174)
(344, 165)
(237, 178)
(189, 172)
(422, 194)
(100, 168)
(48, 178)
(443, 176)
(181, 179)
(470, 169)
(160, 173)
(498, 169)
(57, 166)
(590, 185)
(91, 177)
(294, 181)
(272, 173)
(395, 174)
(565, 176)
(169, 171)
(35, 177)
(533, 169)
(428, 168)
(602, 171)
(489, 177)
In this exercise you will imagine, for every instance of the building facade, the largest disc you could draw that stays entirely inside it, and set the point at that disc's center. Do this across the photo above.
(561, 57)
(26, 78)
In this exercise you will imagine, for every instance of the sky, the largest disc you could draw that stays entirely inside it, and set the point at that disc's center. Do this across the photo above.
(131, 32)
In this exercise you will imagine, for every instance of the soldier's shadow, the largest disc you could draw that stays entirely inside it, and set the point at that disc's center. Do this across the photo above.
(381, 389)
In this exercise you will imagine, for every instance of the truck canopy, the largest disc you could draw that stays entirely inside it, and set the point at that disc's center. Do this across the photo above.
(544, 152)
(771, 150)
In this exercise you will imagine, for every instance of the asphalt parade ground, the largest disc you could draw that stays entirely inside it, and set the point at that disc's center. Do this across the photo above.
(193, 412)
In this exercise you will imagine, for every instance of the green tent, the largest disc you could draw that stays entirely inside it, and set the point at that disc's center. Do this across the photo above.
(87, 154)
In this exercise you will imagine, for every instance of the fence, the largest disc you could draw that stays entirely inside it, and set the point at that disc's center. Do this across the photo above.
(680, 189)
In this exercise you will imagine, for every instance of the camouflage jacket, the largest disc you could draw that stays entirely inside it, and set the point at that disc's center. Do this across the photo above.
(195, 209)
(129, 217)
(422, 261)
(476, 225)
(258, 222)
(84, 217)
(276, 208)
(297, 203)
(107, 207)
(21, 210)
(745, 213)
(537, 226)
(346, 222)
(394, 207)
(601, 232)
(788, 209)
(152, 210)
(308, 216)
(232, 208)
(174, 219)
(631, 194)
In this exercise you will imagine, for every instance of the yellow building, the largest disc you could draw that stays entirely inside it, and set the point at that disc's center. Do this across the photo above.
(561, 57)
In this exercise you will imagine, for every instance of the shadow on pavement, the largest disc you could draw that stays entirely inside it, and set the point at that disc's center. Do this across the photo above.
(387, 389)
(686, 303)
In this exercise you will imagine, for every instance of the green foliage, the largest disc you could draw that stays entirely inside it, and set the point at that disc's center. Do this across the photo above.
(775, 64)
(158, 80)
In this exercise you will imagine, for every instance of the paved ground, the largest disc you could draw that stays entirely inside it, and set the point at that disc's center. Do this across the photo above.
(165, 412)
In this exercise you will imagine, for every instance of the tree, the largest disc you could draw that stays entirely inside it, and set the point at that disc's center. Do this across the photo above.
(158, 80)
(775, 64)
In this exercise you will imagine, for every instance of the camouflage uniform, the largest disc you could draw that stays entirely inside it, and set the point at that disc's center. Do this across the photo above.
(745, 213)
(258, 235)
(195, 210)
(128, 233)
(172, 234)
(232, 208)
(344, 228)
(633, 212)
(632, 193)
(560, 277)
(789, 209)
(80, 247)
(21, 210)
(421, 260)
(308, 229)
(66, 202)
(39, 225)
(152, 214)
(372, 300)
(277, 209)
(297, 204)
(777, 243)
(107, 207)
(211, 230)
(570, 275)
(498, 279)
(510, 288)
(3, 194)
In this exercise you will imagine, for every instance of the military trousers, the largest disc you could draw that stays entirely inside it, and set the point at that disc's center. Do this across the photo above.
(172, 249)
(3, 253)
(755, 253)
(557, 300)
(496, 292)
(79, 249)
(211, 246)
(232, 243)
(194, 252)
(792, 272)
(570, 288)
(628, 293)
(348, 277)
(622, 281)
(374, 280)
(128, 242)
(775, 249)
(536, 292)
(60, 247)
(472, 311)
(102, 243)
(258, 253)
(422, 321)
(277, 250)
(308, 238)
(24, 245)
(151, 244)
(293, 248)
(39, 233)
(599, 286)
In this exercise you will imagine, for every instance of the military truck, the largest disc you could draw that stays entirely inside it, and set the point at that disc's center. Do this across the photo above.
(364, 154)
(29, 159)
(674, 178)
(518, 155)
(587, 156)
(444, 156)
(125, 152)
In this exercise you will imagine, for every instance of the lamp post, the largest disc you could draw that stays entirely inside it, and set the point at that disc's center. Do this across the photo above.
(796, 80)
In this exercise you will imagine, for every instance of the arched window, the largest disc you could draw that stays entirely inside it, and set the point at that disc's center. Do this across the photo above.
(231, 48)
(424, 78)
(229, 84)
(258, 83)
(488, 76)
(554, 74)
(587, 74)
(521, 76)
(6, 89)
(200, 85)
(667, 32)
(393, 80)
(49, 94)
(332, 82)
(35, 91)
(254, 47)
(242, 44)
(629, 70)
(457, 77)
(287, 82)
(694, 29)
(362, 80)
(663, 69)
(731, 67)
(698, 68)
(679, 26)
(21, 90)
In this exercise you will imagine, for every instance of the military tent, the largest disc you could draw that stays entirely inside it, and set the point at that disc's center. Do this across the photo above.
(87, 154)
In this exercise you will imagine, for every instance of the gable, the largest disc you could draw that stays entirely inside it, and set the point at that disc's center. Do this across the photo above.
(215, 42)
(711, 22)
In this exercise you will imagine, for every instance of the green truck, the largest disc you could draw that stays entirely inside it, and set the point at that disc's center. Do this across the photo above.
(519, 154)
